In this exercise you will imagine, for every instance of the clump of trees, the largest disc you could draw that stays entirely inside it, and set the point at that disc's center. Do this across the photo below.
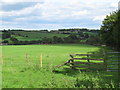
(6, 34)
(110, 30)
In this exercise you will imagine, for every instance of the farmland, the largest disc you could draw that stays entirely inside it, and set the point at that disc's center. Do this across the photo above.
(22, 37)
(34, 35)
(19, 72)
(46, 45)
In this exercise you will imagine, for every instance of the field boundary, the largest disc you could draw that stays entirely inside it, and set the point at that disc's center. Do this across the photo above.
(107, 61)
(114, 61)
(88, 65)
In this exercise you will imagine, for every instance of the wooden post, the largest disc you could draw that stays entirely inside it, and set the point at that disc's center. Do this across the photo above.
(72, 62)
(105, 59)
(41, 61)
(88, 61)
(11, 59)
(26, 57)
(88, 58)
(2, 59)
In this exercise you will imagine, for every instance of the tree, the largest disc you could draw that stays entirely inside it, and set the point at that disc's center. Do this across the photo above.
(86, 35)
(80, 33)
(5, 41)
(94, 40)
(57, 39)
(46, 40)
(110, 30)
(72, 38)
(5, 34)
(14, 40)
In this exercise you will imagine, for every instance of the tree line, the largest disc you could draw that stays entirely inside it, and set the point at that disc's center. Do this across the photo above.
(79, 37)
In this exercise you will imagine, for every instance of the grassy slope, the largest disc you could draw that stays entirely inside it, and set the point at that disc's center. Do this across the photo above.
(36, 35)
(18, 73)
(91, 33)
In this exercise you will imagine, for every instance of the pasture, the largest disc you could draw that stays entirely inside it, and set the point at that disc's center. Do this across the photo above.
(19, 72)
(34, 35)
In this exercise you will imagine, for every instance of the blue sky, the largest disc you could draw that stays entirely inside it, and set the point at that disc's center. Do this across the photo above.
(54, 14)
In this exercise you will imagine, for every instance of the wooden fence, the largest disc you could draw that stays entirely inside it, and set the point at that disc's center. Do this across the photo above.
(26, 57)
(113, 63)
(86, 62)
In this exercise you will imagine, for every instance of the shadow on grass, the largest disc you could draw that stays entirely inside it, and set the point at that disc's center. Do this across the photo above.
(92, 78)
(71, 72)
(67, 71)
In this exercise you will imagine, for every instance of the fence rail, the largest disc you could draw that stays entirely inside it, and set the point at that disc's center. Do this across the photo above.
(110, 60)
(87, 59)
(113, 52)
(88, 64)
(114, 61)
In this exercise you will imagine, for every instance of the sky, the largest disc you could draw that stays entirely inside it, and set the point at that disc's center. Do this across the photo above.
(54, 14)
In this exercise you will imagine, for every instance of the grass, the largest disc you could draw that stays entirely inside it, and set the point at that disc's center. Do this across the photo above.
(19, 73)
(35, 35)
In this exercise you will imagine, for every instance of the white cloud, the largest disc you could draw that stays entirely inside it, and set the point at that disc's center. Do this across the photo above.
(48, 11)
(53, 9)
(18, 1)
(25, 11)
(114, 5)
(99, 18)
(61, 10)
(79, 13)
(28, 18)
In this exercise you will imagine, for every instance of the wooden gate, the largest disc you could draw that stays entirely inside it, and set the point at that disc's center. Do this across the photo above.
(113, 61)
(108, 61)
(87, 62)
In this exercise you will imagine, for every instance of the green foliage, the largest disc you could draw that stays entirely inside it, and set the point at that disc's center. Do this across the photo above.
(72, 38)
(57, 39)
(35, 35)
(5, 41)
(86, 35)
(5, 34)
(46, 40)
(81, 34)
(48, 37)
(94, 40)
(110, 30)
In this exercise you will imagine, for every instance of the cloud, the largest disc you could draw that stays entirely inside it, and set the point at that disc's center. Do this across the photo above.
(114, 5)
(47, 12)
(19, 1)
(25, 11)
(99, 18)
(80, 13)
(58, 13)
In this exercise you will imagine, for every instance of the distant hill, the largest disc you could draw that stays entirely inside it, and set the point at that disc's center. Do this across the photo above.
(21, 37)
(35, 35)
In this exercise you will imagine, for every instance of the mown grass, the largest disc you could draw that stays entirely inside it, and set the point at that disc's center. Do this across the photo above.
(17, 72)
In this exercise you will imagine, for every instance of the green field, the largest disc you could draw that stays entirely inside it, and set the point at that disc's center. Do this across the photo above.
(19, 72)
(35, 35)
